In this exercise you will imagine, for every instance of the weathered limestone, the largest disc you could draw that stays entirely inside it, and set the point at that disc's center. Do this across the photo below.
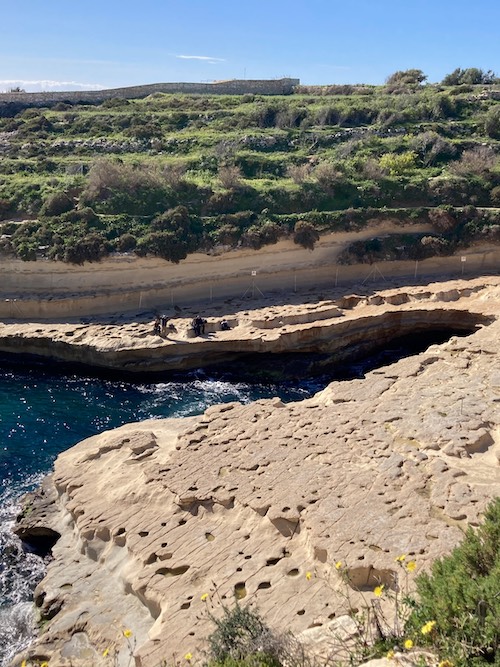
(261, 501)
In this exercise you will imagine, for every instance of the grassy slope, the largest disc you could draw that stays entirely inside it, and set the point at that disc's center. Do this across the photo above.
(247, 169)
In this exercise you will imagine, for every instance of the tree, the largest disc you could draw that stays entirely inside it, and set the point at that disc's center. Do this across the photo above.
(469, 76)
(413, 77)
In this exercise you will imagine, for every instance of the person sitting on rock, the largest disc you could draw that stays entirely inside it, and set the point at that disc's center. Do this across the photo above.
(164, 322)
(224, 325)
(198, 325)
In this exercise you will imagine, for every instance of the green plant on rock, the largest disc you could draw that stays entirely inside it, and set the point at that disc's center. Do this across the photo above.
(458, 609)
(240, 637)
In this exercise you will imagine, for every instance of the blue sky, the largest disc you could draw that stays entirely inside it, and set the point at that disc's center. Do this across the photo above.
(59, 44)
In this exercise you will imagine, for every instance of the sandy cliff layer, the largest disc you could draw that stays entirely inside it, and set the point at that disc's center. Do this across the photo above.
(246, 499)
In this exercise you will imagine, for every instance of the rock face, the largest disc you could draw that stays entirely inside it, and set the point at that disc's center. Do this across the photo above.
(164, 521)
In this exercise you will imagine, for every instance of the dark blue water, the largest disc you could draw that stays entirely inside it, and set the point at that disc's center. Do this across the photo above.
(46, 409)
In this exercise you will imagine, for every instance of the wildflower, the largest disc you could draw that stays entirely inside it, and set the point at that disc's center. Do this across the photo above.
(446, 663)
(204, 597)
(390, 654)
(378, 590)
(188, 656)
(338, 565)
(308, 576)
(408, 644)
(105, 652)
(44, 664)
(401, 558)
(127, 633)
(411, 565)
(428, 627)
(24, 663)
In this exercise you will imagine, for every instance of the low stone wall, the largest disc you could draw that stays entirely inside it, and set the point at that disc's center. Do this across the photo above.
(283, 86)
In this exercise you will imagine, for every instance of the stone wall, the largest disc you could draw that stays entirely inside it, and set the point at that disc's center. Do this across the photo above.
(283, 86)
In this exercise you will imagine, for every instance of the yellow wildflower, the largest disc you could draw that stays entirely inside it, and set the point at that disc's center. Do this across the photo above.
(204, 597)
(338, 565)
(408, 644)
(105, 652)
(44, 664)
(390, 654)
(127, 633)
(411, 565)
(24, 663)
(188, 656)
(428, 627)
(446, 663)
(308, 576)
(378, 590)
(401, 558)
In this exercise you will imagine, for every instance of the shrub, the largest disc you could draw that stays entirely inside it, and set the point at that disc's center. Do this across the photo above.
(90, 248)
(407, 77)
(56, 204)
(126, 242)
(460, 598)
(305, 234)
(229, 176)
(492, 122)
(398, 163)
(242, 639)
(495, 196)
(476, 161)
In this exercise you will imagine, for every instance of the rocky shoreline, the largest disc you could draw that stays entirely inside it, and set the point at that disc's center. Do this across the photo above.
(164, 521)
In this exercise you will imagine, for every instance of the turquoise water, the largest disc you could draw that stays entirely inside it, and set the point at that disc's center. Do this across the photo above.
(46, 409)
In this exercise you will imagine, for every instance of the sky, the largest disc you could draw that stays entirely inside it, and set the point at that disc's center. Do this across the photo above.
(61, 45)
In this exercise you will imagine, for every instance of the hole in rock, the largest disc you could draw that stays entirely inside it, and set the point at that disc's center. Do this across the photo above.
(272, 561)
(263, 585)
(173, 571)
(367, 578)
(240, 590)
(293, 573)
(209, 537)
(301, 612)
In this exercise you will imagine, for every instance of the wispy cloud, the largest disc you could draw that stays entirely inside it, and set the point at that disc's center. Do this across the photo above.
(208, 59)
(46, 85)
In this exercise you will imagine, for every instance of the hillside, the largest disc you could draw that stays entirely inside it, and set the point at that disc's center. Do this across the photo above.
(173, 173)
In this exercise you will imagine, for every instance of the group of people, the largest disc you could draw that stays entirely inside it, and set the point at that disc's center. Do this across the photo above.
(161, 325)
(197, 324)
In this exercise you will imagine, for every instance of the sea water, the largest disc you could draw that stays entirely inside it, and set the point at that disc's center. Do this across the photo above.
(47, 408)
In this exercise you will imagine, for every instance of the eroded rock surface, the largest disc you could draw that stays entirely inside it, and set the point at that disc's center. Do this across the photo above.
(166, 520)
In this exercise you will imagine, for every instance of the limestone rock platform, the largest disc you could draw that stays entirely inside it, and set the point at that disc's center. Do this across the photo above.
(165, 521)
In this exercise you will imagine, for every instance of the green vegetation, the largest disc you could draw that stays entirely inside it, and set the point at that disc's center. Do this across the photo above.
(462, 596)
(454, 615)
(174, 173)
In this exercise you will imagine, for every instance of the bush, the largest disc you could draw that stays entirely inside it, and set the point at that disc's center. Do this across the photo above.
(305, 234)
(460, 598)
(492, 123)
(397, 164)
(56, 204)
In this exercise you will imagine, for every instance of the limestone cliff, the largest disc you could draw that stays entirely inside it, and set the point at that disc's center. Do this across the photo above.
(162, 521)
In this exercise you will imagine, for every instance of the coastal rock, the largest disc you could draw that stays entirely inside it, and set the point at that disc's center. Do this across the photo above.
(164, 522)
